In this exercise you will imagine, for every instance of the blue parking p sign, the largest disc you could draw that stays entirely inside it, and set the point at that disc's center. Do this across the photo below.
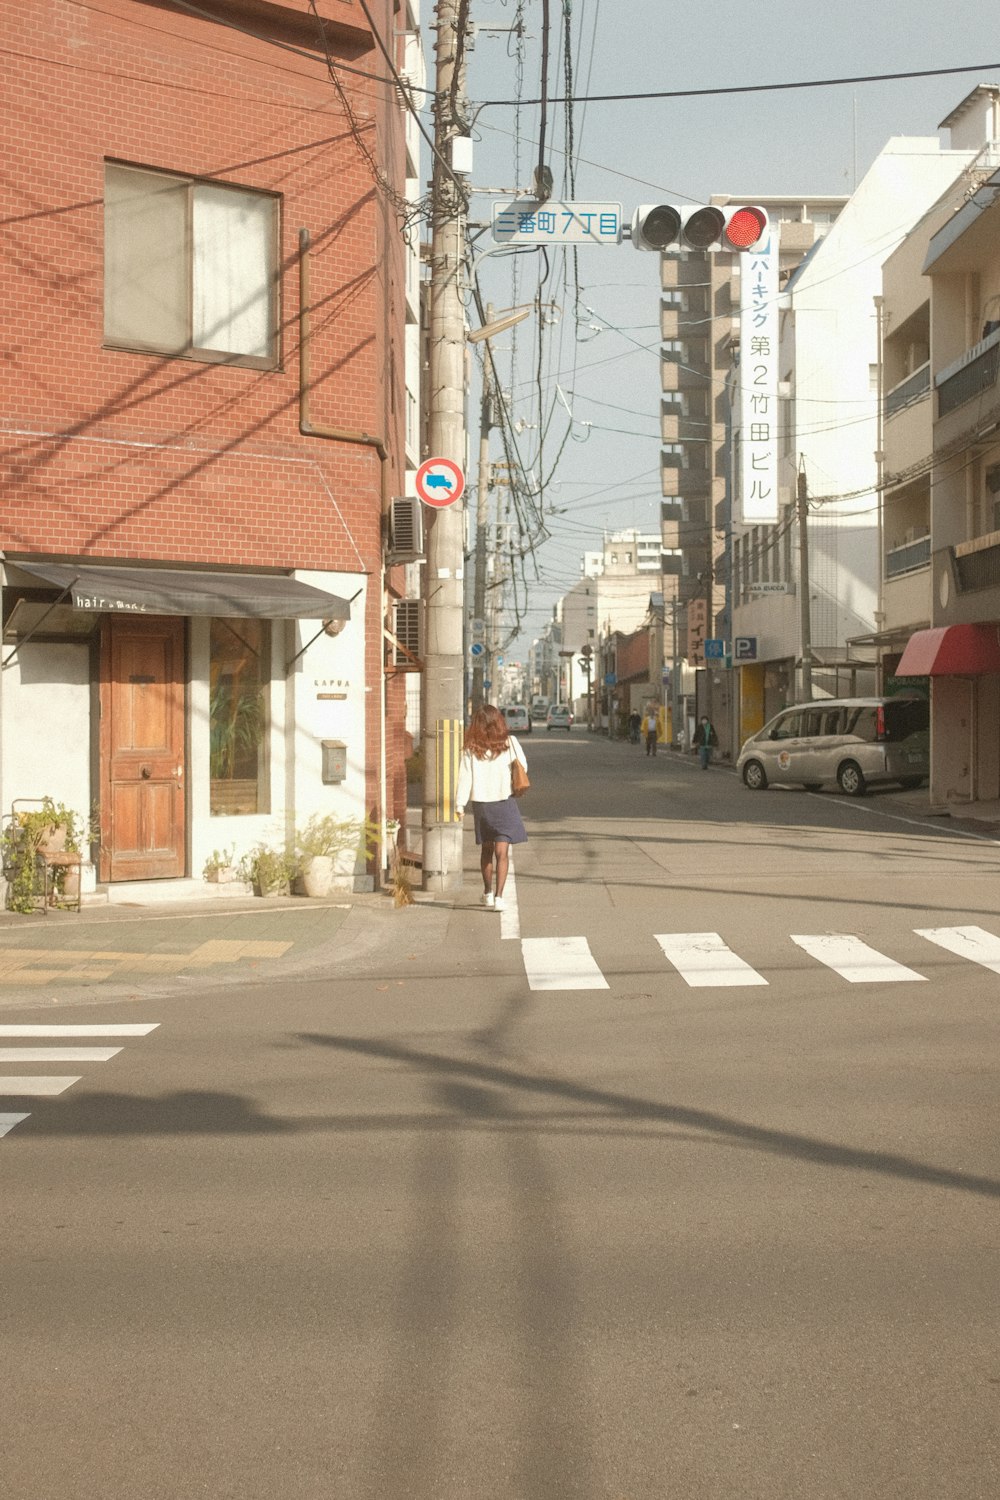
(745, 648)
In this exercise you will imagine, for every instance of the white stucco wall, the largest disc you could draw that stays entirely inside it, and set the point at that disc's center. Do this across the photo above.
(45, 725)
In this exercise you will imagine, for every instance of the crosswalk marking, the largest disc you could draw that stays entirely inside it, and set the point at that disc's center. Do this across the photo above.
(57, 1054)
(702, 959)
(24, 1085)
(21, 1086)
(561, 963)
(705, 960)
(852, 959)
(123, 1028)
(974, 943)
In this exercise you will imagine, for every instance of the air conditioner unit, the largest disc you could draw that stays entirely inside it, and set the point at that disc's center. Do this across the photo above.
(408, 629)
(405, 530)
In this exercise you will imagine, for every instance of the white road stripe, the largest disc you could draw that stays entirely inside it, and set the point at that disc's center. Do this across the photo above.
(130, 1028)
(510, 917)
(57, 1054)
(562, 963)
(854, 960)
(703, 959)
(974, 943)
(7, 1122)
(20, 1086)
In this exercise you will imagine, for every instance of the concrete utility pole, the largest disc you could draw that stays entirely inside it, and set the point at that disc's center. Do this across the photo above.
(802, 510)
(444, 611)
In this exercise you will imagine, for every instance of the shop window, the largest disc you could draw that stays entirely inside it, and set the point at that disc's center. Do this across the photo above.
(239, 657)
(189, 267)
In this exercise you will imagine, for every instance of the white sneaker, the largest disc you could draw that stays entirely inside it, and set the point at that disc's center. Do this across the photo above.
(499, 904)
(487, 899)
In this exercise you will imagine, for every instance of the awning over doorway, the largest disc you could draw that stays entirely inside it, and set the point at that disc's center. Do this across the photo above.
(168, 591)
(952, 651)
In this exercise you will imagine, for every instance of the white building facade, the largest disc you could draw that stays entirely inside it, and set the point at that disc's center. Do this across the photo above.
(829, 436)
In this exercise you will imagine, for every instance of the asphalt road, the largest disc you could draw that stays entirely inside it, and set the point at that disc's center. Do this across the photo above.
(384, 1218)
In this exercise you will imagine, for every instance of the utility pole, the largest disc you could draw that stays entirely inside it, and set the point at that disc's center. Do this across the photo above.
(482, 521)
(709, 621)
(802, 509)
(444, 573)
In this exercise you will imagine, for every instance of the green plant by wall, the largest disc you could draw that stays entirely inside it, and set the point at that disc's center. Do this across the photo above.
(268, 870)
(26, 834)
(219, 859)
(327, 835)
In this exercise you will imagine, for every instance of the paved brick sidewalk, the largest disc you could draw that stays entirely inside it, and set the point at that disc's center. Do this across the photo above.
(106, 948)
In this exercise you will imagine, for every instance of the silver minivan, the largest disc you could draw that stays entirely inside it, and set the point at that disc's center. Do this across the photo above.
(855, 742)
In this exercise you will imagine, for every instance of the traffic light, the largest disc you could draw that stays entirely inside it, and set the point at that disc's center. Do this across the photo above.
(698, 226)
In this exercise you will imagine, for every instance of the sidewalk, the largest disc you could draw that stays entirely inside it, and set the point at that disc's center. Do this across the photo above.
(117, 951)
(158, 939)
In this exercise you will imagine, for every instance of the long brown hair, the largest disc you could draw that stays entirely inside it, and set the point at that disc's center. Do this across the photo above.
(487, 734)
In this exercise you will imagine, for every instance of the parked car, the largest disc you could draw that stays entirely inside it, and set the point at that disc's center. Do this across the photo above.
(518, 718)
(559, 716)
(855, 742)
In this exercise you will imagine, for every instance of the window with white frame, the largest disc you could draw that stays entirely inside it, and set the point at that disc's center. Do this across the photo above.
(190, 267)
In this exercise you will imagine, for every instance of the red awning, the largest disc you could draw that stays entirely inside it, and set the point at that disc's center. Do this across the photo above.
(952, 651)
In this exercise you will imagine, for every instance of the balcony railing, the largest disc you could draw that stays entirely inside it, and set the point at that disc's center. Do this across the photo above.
(974, 377)
(906, 559)
(911, 389)
(977, 565)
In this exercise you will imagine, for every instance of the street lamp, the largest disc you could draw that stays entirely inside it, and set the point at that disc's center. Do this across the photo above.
(490, 329)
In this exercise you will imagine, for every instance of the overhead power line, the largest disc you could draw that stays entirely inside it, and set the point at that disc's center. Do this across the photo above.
(751, 88)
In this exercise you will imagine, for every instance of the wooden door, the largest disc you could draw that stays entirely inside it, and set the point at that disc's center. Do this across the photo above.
(142, 747)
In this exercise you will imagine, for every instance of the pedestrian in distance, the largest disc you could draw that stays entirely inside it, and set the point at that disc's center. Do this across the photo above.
(705, 740)
(634, 725)
(484, 784)
(651, 725)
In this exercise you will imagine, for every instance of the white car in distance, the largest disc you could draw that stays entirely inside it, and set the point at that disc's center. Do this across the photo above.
(518, 718)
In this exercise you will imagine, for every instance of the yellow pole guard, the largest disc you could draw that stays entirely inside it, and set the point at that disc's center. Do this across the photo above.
(448, 735)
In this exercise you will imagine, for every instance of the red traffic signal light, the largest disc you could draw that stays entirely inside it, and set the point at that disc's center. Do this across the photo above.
(657, 226)
(746, 227)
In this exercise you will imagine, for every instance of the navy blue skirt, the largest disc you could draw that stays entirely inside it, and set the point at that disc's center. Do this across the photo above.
(498, 820)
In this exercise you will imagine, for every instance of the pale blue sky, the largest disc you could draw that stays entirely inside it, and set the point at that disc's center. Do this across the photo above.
(809, 141)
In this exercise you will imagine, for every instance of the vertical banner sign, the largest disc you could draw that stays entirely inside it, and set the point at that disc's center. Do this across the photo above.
(759, 384)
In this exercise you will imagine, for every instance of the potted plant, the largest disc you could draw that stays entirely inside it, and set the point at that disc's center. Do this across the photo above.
(219, 867)
(82, 837)
(268, 870)
(324, 842)
(49, 828)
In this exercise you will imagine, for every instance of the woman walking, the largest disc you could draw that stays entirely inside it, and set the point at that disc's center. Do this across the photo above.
(484, 781)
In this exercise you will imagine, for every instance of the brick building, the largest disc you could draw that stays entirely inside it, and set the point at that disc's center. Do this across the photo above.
(204, 416)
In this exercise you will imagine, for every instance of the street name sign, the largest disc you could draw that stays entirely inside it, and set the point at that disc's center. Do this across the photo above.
(525, 221)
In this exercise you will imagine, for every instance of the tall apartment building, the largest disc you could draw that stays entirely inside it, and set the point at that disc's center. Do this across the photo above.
(958, 654)
(908, 398)
(699, 324)
(815, 631)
